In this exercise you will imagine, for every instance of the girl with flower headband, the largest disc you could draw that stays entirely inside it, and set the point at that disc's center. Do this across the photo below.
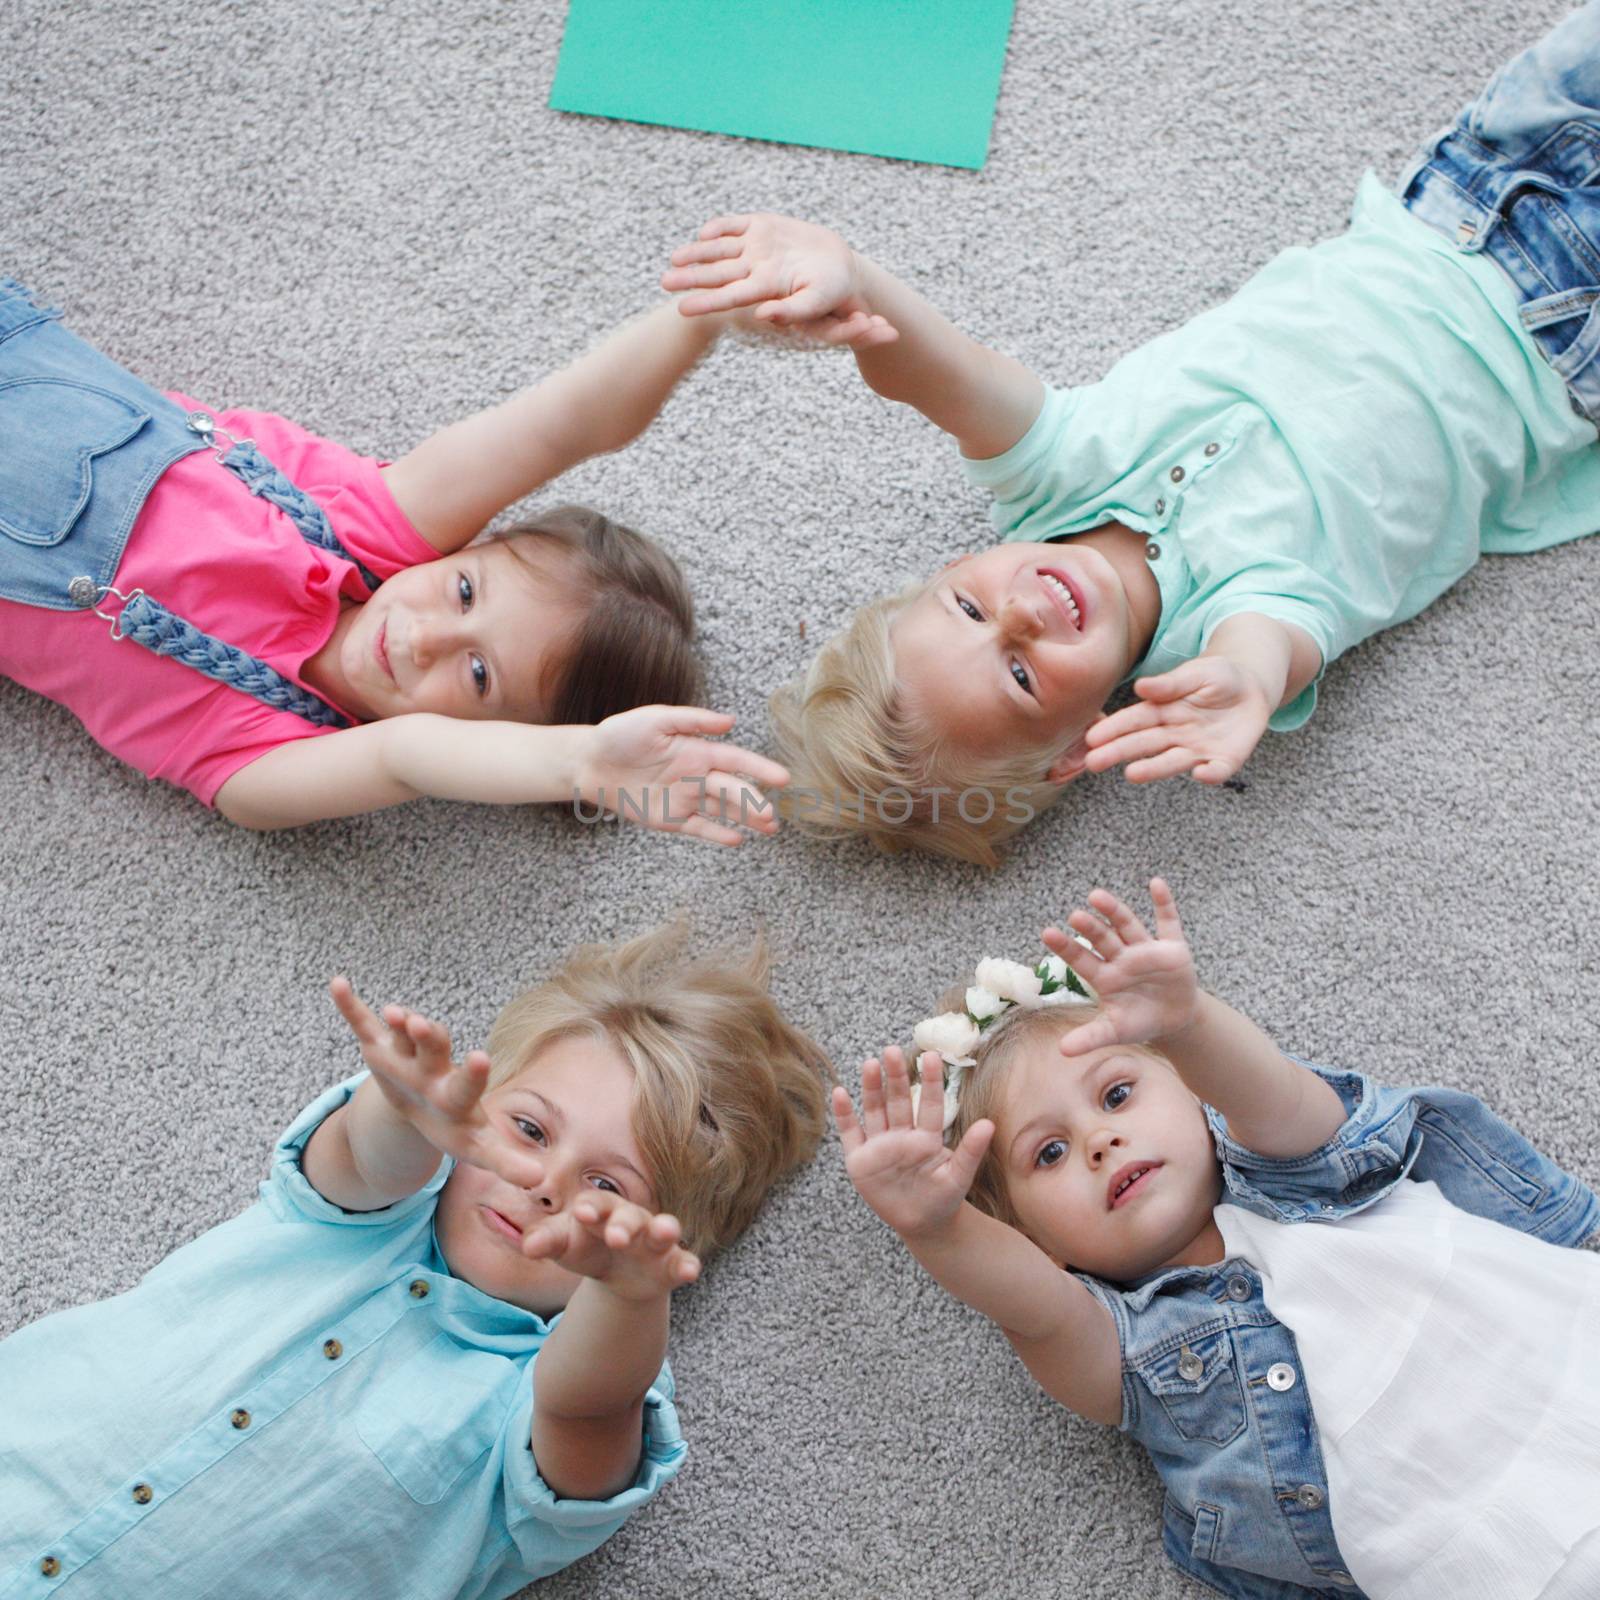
(1263, 1270)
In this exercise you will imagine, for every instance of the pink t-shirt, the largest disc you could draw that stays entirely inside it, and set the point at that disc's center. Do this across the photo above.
(236, 567)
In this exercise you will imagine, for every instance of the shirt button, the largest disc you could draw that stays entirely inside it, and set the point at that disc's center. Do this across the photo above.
(1176, 474)
(419, 1288)
(1310, 1496)
(1190, 1366)
(1161, 505)
(50, 1567)
(83, 591)
(199, 422)
(332, 1349)
(240, 1419)
(143, 1494)
(1152, 551)
(1281, 1376)
(1238, 1288)
(1211, 449)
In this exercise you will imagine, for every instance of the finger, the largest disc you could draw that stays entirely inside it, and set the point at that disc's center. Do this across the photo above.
(930, 1103)
(879, 331)
(596, 1206)
(730, 225)
(1173, 762)
(1168, 923)
(686, 1269)
(548, 1239)
(698, 302)
(511, 1162)
(730, 800)
(967, 1156)
(698, 827)
(395, 1019)
(1121, 917)
(1102, 937)
(873, 1116)
(1094, 1035)
(432, 1044)
(734, 761)
(1130, 719)
(719, 249)
(1083, 961)
(1174, 685)
(896, 1089)
(844, 1119)
(1136, 746)
(706, 275)
(364, 1023)
(662, 1232)
(1215, 771)
(804, 305)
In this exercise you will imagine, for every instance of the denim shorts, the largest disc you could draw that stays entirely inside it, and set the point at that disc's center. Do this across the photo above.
(1517, 176)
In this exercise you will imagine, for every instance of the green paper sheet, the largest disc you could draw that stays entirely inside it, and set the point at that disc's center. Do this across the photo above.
(915, 79)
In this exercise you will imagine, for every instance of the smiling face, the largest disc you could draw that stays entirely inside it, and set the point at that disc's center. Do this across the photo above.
(572, 1105)
(1107, 1160)
(478, 634)
(1018, 647)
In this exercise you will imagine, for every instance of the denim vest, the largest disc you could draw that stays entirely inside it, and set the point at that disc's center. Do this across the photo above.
(1211, 1381)
(82, 443)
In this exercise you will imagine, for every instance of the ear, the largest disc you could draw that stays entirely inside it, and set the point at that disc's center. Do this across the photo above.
(1069, 764)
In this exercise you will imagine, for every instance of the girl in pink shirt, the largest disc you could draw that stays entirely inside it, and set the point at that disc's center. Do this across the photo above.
(291, 631)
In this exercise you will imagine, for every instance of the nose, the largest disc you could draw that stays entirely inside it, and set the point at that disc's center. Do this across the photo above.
(1021, 619)
(431, 638)
(1100, 1145)
(554, 1193)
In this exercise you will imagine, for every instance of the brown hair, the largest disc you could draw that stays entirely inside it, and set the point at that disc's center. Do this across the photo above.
(728, 1096)
(857, 755)
(635, 643)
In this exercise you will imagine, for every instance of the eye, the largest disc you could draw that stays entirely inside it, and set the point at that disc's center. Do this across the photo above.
(970, 609)
(604, 1183)
(1116, 1096)
(1054, 1150)
(1020, 674)
(480, 675)
(530, 1130)
(464, 591)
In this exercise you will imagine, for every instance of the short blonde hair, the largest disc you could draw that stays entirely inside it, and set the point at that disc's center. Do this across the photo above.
(858, 759)
(1004, 1042)
(728, 1096)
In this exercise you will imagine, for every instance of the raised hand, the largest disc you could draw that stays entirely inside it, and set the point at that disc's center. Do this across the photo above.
(795, 275)
(896, 1156)
(410, 1060)
(636, 1253)
(660, 766)
(1146, 986)
(1203, 718)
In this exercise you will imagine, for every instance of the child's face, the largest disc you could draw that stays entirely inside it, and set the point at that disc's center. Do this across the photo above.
(573, 1105)
(1016, 648)
(1071, 1132)
(469, 635)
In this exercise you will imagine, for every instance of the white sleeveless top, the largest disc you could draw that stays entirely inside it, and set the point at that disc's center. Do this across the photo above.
(1453, 1367)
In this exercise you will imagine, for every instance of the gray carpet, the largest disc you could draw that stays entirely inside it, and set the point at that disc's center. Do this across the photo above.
(363, 216)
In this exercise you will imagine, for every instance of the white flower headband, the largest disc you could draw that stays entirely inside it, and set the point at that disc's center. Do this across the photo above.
(1000, 987)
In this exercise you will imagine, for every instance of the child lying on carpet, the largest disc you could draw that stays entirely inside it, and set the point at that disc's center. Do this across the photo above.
(1233, 505)
(429, 1359)
(1335, 1314)
(291, 631)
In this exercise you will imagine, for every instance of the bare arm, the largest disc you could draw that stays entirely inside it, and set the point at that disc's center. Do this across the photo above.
(454, 482)
(897, 1160)
(1149, 995)
(591, 1378)
(665, 751)
(798, 275)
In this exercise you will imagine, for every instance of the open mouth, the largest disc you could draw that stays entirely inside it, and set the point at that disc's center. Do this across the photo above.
(1065, 598)
(1129, 1182)
(380, 648)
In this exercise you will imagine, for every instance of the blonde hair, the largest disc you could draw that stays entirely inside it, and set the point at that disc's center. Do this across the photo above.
(1004, 1042)
(859, 760)
(728, 1096)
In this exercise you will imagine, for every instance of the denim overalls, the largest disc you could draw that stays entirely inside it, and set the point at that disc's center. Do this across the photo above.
(1517, 176)
(82, 443)
(1211, 1381)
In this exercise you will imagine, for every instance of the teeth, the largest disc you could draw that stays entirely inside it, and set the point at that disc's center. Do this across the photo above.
(1062, 590)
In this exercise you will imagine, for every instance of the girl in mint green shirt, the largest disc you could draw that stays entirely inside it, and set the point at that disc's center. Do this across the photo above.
(1233, 505)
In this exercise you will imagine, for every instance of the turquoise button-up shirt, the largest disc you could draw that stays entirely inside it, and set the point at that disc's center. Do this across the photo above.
(302, 1401)
(1333, 447)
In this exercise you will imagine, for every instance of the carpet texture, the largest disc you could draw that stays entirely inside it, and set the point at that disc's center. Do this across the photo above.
(364, 217)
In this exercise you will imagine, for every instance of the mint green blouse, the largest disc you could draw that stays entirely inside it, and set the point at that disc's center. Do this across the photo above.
(1333, 447)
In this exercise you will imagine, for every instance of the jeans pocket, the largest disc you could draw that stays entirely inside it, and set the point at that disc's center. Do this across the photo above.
(53, 431)
(1198, 1387)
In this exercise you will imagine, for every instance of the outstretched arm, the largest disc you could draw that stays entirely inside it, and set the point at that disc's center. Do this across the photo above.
(1149, 995)
(796, 274)
(1207, 716)
(454, 482)
(896, 1157)
(591, 1377)
(657, 765)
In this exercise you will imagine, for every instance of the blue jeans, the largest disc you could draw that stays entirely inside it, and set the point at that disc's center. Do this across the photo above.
(1517, 176)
